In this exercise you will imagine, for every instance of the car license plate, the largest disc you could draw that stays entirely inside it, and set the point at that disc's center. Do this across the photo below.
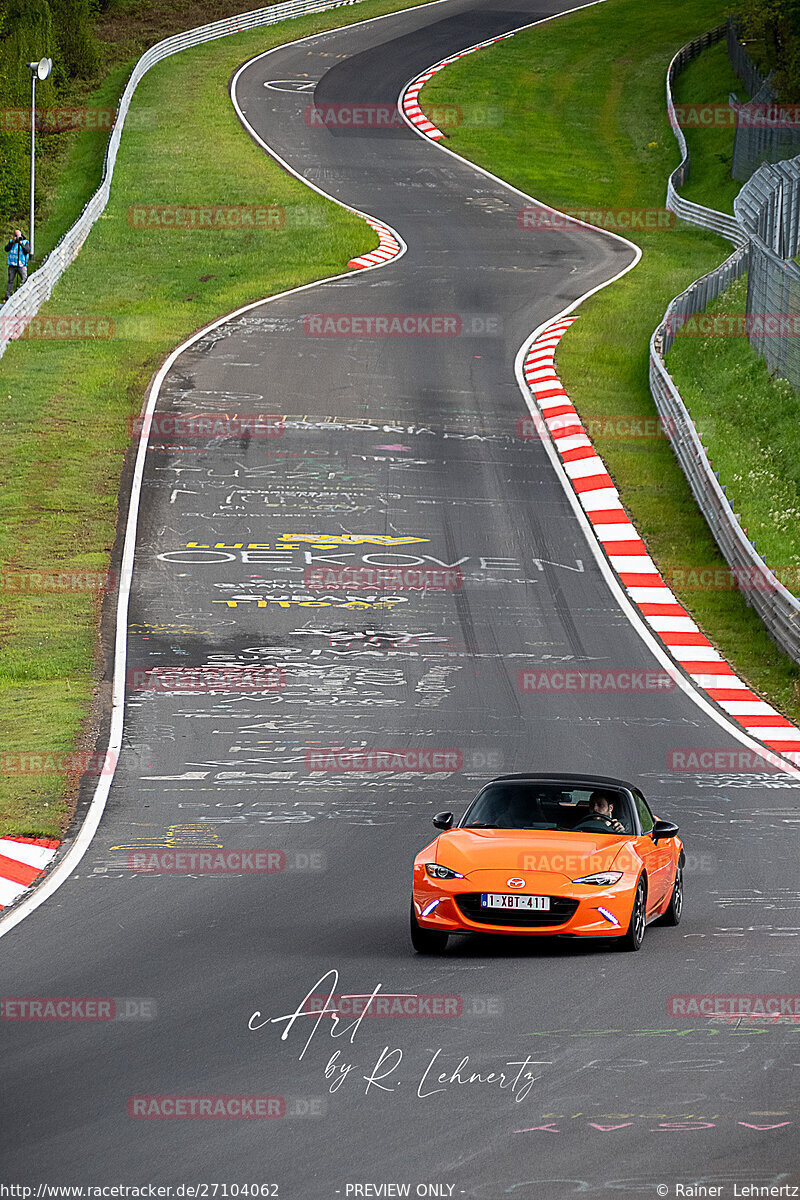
(498, 900)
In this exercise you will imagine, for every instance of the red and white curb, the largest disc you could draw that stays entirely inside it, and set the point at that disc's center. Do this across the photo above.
(388, 247)
(22, 861)
(409, 97)
(627, 554)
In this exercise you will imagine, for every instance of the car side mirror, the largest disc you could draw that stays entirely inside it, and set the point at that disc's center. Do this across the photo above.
(663, 829)
(443, 820)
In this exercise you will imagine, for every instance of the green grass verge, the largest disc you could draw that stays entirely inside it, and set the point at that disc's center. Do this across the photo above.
(706, 83)
(65, 404)
(562, 145)
(748, 421)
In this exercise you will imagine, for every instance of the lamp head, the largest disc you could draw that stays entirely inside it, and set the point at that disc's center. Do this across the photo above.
(41, 69)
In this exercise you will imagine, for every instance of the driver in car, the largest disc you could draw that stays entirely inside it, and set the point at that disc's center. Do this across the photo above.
(600, 818)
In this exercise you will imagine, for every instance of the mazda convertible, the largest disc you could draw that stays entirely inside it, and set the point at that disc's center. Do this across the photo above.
(558, 855)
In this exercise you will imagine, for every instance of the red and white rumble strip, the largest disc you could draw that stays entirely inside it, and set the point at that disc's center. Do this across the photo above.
(409, 99)
(388, 247)
(627, 554)
(22, 860)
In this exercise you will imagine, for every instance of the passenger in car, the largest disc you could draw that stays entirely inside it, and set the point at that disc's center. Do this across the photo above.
(516, 811)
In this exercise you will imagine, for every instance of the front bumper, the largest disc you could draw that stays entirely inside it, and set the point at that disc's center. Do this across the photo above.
(581, 910)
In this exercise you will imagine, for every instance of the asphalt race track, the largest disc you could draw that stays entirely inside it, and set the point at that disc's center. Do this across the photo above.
(403, 437)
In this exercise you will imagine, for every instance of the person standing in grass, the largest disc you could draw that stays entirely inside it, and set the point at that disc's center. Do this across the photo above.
(19, 251)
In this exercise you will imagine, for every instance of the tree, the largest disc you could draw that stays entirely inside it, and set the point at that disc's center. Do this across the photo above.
(776, 25)
(77, 48)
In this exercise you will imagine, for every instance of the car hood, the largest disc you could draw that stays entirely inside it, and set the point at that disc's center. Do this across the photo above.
(571, 854)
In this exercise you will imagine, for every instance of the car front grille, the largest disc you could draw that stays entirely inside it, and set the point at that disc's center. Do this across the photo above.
(561, 909)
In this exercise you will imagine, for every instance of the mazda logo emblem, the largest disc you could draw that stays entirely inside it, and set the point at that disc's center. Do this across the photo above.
(515, 883)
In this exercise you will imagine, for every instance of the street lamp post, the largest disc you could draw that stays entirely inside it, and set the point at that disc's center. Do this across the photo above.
(38, 70)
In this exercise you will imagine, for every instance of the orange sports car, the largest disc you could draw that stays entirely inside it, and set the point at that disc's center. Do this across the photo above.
(574, 855)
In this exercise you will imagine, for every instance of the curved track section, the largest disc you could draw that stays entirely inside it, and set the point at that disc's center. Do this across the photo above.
(400, 448)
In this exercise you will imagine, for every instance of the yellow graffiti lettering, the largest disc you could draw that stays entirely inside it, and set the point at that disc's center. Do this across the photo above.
(327, 540)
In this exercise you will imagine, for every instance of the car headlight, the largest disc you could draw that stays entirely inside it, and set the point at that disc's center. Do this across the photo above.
(602, 878)
(439, 872)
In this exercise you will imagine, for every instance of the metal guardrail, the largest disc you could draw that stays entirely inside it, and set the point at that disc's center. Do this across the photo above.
(697, 214)
(28, 299)
(759, 213)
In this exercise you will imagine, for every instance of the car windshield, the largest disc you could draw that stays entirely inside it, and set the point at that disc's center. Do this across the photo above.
(523, 804)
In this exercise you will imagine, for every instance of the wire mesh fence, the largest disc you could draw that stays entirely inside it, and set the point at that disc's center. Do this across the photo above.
(764, 131)
(768, 208)
(751, 76)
